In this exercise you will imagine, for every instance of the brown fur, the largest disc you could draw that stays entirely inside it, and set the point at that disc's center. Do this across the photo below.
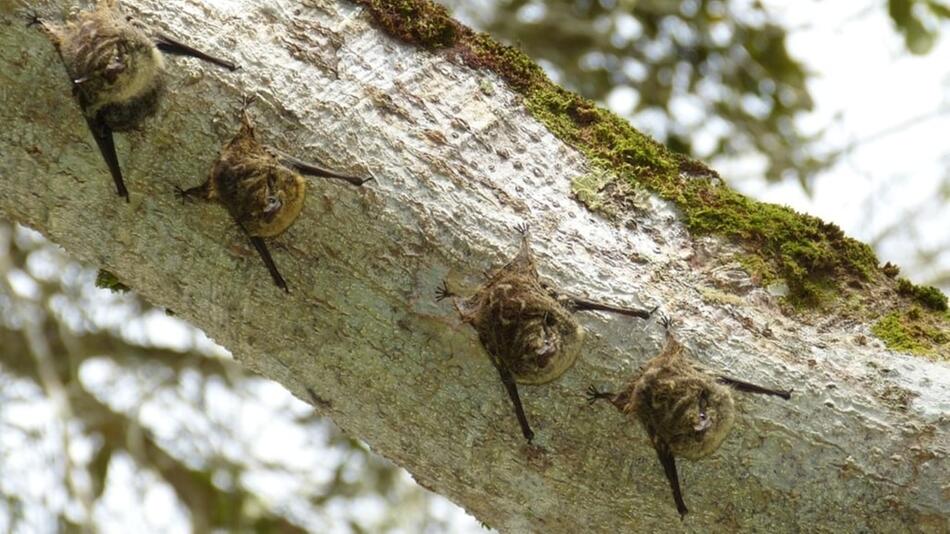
(665, 397)
(686, 410)
(116, 69)
(520, 324)
(250, 182)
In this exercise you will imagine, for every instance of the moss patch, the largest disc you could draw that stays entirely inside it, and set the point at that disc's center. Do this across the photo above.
(818, 263)
(716, 296)
(589, 188)
(928, 296)
(107, 280)
(914, 331)
(424, 23)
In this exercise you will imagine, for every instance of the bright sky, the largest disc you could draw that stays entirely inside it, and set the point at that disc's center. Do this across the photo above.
(862, 71)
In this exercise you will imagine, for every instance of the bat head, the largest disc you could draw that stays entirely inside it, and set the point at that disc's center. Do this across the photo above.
(682, 405)
(115, 68)
(522, 325)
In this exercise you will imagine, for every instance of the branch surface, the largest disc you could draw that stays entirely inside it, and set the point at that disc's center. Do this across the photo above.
(457, 164)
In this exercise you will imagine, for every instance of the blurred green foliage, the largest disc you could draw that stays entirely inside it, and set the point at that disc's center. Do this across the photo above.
(918, 21)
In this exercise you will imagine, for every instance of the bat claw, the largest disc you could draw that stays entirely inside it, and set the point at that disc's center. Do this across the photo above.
(594, 394)
(442, 292)
(522, 228)
(666, 321)
(33, 19)
(183, 194)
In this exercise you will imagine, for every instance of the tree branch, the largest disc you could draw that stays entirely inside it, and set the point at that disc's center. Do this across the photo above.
(458, 162)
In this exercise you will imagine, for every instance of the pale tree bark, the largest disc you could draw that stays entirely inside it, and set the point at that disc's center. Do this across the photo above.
(457, 161)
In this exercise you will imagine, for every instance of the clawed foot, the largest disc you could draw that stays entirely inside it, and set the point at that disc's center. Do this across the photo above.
(666, 321)
(522, 228)
(442, 292)
(246, 101)
(33, 19)
(182, 194)
(594, 395)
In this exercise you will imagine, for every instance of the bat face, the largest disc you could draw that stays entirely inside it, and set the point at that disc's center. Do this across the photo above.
(686, 410)
(692, 418)
(525, 329)
(522, 326)
(262, 189)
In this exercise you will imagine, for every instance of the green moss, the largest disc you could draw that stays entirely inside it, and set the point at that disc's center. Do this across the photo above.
(806, 252)
(107, 280)
(914, 331)
(928, 296)
(818, 263)
(422, 23)
(716, 296)
(588, 189)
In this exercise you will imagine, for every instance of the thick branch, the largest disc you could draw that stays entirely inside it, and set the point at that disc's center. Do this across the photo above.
(457, 163)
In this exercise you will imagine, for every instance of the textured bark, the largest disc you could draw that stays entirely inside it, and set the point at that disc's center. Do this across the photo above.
(458, 162)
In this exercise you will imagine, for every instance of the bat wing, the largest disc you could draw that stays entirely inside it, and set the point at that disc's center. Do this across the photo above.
(512, 388)
(311, 169)
(177, 48)
(666, 457)
(261, 247)
(102, 133)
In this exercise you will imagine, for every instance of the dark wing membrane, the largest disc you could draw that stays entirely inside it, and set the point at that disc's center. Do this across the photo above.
(177, 48)
(509, 381)
(261, 247)
(311, 169)
(103, 136)
(669, 467)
